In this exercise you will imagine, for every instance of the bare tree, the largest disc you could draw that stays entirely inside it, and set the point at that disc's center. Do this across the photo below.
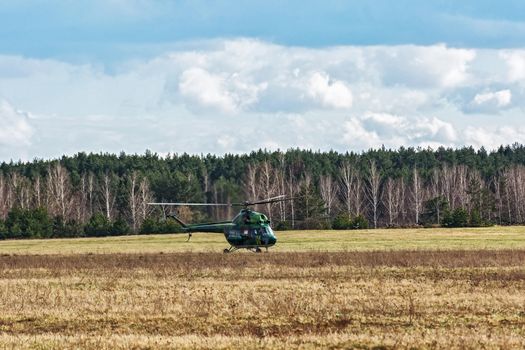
(306, 185)
(4, 209)
(82, 199)
(19, 191)
(346, 175)
(280, 175)
(59, 190)
(515, 192)
(461, 185)
(373, 190)
(13, 195)
(250, 182)
(416, 194)
(328, 191)
(91, 192)
(350, 189)
(357, 193)
(133, 199)
(138, 197)
(392, 200)
(25, 193)
(267, 184)
(292, 190)
(9, 195)
(37, 192)
(498, 197)
(507, 197)
(145, 197)
(447, 182)
(108, 194)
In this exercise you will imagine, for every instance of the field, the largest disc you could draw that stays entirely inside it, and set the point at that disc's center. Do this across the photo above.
(368, 289)
(497, 237)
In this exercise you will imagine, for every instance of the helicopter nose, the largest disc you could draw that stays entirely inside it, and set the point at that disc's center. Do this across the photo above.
(272, 240)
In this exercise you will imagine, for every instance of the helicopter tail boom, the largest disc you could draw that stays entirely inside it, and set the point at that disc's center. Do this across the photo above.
(182, 223)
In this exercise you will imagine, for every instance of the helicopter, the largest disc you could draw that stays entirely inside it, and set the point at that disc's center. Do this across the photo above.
(249, 229)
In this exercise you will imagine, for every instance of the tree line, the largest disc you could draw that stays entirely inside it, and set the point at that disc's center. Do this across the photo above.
(104, 194)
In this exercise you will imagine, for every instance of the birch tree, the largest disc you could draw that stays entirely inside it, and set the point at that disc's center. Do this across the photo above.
(59, 190)
(416, 194)
(373, 190)
(108, 195)
(328, 191)
(392, 200)
(345, 186)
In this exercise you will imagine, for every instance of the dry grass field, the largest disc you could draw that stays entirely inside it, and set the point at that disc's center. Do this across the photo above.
(313, 294)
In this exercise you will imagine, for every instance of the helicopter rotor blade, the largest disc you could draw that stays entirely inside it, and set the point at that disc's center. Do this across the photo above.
(275, 199)
(270, 200)
(194, 204)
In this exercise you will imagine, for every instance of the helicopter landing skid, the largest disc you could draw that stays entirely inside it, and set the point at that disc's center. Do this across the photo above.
(230, 250)
(252, 249)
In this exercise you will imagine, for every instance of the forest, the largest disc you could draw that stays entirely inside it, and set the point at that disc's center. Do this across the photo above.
(107, 194)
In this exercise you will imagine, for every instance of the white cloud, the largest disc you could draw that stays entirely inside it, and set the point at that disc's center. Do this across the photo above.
(487, 102)
(206, 89)
(493, 138)
(15, 130)
(515, 61)
(377, 129)
(425, 66)
(356, 136)
(500, 98)
(492, 101)
(333, 94)
(266, 95)
(226, 142)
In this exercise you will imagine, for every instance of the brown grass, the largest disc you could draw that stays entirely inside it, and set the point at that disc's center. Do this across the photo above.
(385, 299)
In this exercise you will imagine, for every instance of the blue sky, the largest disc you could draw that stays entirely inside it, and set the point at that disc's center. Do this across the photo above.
(179, 76)
(118, 29)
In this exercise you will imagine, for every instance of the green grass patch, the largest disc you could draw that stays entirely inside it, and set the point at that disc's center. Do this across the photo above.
(497, 237)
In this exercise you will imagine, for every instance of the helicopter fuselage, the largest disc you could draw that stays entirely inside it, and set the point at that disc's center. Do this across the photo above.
(250, 237)
(249, 229)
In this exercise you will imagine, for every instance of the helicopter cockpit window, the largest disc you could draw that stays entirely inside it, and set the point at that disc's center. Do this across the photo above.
(265, 231)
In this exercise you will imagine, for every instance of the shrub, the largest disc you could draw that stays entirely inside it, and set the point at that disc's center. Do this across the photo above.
(359, 222)
(283, 226)
(457, 218)
(342, 222)
(149, 226)
(119, 227)
(3, 230)
(98, 225)
(155, 226)
(314, 224)
(70, 228)
(28, 223)
(475, 219)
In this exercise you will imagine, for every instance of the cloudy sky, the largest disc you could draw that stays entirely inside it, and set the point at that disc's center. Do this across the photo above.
(232, 76)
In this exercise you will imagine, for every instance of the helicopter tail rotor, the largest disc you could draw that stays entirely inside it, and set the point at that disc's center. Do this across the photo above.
(182, 223)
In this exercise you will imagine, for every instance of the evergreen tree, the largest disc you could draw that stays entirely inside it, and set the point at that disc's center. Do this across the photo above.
(434, 210)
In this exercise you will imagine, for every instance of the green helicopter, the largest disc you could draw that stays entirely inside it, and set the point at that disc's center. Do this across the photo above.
(249, 229)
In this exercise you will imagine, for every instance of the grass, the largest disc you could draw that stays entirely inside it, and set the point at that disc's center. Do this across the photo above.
(381, 299)
(497, 237)
(382, 289)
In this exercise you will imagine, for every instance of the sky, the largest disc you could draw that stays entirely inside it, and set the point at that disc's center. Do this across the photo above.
(234, 76)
